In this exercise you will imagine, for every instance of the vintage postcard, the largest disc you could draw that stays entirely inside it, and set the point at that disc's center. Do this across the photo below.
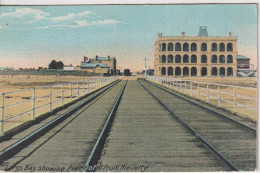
(166, 87)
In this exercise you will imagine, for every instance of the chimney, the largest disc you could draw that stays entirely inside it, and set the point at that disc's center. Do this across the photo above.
(229, 34)
(203, 31)
(182, 34)
(85, 59)
(108, 57)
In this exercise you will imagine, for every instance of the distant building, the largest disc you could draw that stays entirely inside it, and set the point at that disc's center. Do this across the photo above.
(149, 72)
(6, 68)
(118, 72)
(68, 68)
(202, 55)
(94, 68)
(244, 68)
(103, 65)
(243, 62)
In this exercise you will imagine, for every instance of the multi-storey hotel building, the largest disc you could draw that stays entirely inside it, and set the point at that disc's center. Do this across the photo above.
(200, 55)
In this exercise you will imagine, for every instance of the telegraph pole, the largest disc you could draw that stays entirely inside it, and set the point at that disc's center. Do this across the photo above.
(145, 68)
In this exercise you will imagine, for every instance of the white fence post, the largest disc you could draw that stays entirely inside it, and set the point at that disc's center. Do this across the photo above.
(199, 90)
(185, 87)
(219, 99)
(88, 85)
(3, 113)
(83, 87)
(33, 104)
(208, 93)
(235, 99)
(71, 92)
(191, 92)
(51, 99)
(78, 89)
(62, 97)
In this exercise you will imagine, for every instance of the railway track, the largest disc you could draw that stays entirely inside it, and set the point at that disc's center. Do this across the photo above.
(144, 136)
(131, 126)
(64, 142)
(233, 137)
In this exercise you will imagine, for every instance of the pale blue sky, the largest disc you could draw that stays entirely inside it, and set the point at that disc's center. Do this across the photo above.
(31, 36)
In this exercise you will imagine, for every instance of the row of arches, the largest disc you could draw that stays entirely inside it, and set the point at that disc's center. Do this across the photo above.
(222, 47)
(193, 59)
(186, 71)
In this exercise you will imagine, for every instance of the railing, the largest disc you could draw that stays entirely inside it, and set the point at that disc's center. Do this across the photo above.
(234, 98)
(23, 105)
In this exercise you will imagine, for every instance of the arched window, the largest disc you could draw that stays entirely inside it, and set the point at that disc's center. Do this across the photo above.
(185, 47)
(214, 59)
(222, 71)
(214, 47)
(214, 71)
(178, 59)
(229, 59)
(204, 71)
(193, 47)
(177, 47)
(185, 58)
(230, 47)
(163, 71)
(204, 59)
(163, 59)
(163, 47)
(170, 59)
(170, 47)
(221, 59)
(230, 71)
(193, 71)
(185, 71)
(177, 71)
(160, 47)
(203, 47)
(170, 71)
(193, 59)
(222, 47)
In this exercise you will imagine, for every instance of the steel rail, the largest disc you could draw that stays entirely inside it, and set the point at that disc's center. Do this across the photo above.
(105, 129)
(208, 109)
(195, 133)
(25, 141)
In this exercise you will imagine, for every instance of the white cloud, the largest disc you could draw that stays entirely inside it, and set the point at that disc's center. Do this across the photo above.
(71, 16)
(82, 23)
(42, 27)
(21, 12)
(105, 22)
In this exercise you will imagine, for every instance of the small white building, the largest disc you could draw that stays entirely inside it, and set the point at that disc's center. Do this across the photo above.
(68, 68)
